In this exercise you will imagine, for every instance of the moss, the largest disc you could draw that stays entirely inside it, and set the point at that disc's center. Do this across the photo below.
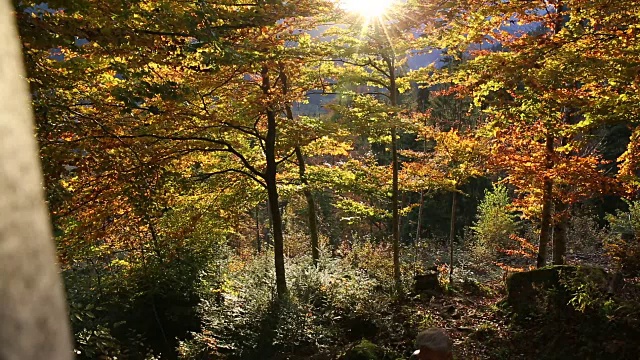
(525, 288)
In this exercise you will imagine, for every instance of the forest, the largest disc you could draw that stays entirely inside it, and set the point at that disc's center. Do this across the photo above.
(323, 179)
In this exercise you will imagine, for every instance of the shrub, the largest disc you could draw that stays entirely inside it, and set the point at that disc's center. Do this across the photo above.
(365, 350)
(623, 244)
(494, 222)
(125, 306)
(325, 307)
(584, 235)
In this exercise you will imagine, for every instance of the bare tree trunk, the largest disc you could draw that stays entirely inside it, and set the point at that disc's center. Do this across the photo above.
(419, 225)
(272, 191)
(395, 192)
(311, 209)
(560, 235)
(34, 323)
(547, 204)
(418, 232)
(311, 204)
(395, 223)
(258, 239)
(452, 234)
(560, 229)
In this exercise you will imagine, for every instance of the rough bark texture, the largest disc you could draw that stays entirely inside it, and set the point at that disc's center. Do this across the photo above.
(547, 204)
(272, 192)
(33, 312)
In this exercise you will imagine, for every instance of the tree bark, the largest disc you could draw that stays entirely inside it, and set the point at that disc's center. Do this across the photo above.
(311, 204)
(395, 222)
(452, 234)
(560, 235)
(272, 191)
(416, 242)
(258, 239)
(419, 225)
(547, 204)
(311, 209)
(34, 323)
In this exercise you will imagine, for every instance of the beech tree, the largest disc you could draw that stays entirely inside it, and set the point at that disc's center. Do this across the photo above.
(549, 80)
(164, 94)
(374, 54)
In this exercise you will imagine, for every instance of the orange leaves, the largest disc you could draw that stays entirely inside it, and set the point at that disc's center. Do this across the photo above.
(521, 152)
(630, 163)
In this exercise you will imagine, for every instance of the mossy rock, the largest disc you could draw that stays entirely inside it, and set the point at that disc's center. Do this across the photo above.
(364, 350)
(525, 289)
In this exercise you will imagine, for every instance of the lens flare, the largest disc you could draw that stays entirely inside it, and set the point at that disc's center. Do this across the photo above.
(366, 8)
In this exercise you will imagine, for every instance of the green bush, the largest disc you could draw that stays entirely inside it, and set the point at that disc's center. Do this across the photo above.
(623, 244)
(494, 222)
(326, 307)
(364, 350)
(125, 306)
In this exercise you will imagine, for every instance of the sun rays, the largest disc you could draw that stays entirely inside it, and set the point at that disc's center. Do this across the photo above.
(368, 9)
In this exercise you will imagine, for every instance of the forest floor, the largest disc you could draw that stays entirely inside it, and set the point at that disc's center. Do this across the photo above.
(570, 320)
(484, 326)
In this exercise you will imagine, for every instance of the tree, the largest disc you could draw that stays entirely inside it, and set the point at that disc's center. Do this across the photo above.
(374, 53)
(455, 158)
(200, 101)
(548, 81)
(34, 321)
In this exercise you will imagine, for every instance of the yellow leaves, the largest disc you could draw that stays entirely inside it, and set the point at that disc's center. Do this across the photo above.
(68, 184)
(329, 146)
(120, 263)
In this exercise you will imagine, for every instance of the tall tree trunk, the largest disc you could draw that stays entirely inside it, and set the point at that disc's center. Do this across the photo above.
(547, 204)
(311, 204)
(311, 208)
(561, 214)
(452, 234)
(560, 235)
(547, 196)
(395, 222)
(419, 225)
(416, 242)
(272, 191)
(258, 239)
(34, 322)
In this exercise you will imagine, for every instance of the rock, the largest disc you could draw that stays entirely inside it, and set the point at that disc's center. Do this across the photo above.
(526, 289)
(615, 283)
(427, 283)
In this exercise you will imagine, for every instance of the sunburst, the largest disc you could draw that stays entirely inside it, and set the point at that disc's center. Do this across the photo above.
(368, 9)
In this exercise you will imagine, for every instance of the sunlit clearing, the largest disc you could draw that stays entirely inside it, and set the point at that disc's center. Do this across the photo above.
(366, 8)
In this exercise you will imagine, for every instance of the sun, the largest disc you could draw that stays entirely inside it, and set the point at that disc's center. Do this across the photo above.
(366, 8)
